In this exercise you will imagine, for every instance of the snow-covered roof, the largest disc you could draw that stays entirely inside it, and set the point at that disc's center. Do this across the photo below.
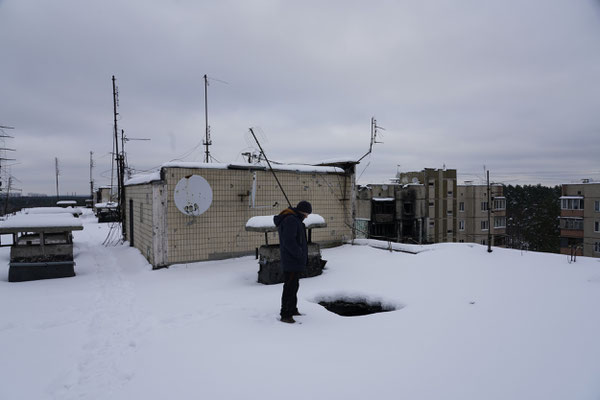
(340, 160)
(571, 197)
(40, 222)
(140, 179)
(276, 167)
(265, 223)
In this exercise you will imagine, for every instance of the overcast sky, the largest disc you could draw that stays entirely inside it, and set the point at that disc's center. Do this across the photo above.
(511, 85)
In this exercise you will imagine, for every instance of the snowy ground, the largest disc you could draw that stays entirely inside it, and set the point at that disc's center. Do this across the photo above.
(471, 325)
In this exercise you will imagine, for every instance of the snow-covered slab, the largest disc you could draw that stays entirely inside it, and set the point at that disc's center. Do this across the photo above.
(40, 223)
(383, 199)
(52, 210)
(381, 244)
(571, 197)
(66, 203)
(265, 223)
(140, 179)
(110, 204)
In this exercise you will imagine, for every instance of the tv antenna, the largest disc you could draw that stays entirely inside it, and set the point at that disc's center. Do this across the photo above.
(374, 132)
(207, 140)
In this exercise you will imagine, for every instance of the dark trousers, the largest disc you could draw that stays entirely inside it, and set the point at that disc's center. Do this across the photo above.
(289, 298)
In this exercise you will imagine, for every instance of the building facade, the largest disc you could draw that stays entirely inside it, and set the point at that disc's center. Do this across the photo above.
(191, 212)
(580, 219)
(440, 196)
(392, 212)
(474, 222)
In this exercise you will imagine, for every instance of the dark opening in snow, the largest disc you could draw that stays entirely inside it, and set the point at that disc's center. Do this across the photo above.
(354, 308)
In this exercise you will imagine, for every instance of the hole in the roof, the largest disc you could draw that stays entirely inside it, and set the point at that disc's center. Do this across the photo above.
(354, 307)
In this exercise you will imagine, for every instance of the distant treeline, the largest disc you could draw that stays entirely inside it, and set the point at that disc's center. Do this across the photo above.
(17, 203)
(532, 214)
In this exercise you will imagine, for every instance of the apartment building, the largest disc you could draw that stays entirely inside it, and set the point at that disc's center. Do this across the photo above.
(580, 219)
(474, 223)
(392, 212)
(440, 194)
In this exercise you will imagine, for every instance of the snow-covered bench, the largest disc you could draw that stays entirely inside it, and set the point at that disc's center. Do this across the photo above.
(42, 245)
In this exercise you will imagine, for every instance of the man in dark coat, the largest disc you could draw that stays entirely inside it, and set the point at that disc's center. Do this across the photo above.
(293, 251)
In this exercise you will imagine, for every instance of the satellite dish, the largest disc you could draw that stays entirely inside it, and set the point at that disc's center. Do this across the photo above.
(193, 195)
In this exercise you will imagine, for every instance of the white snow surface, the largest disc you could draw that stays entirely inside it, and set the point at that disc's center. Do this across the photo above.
(52, 210)
(139, 179)
(66, 202)
(470, 325)
(40, 221)
(383, 199)
(110, 204)
(276, 167)
(266, 221)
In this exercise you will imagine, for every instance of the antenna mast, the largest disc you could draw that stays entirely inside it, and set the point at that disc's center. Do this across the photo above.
(116, 138)
(91, 176)
(374, 128)
(57, 173)
(207, 142)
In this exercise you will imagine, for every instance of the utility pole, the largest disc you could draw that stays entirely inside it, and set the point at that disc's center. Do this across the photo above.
(207, 142)
(116, 138)
(489, 213)
(57, 173)
(119, 160)
(91, 176)
(7, 195)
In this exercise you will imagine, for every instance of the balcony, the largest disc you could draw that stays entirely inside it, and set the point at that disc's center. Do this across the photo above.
(571, 227)
(571, 213)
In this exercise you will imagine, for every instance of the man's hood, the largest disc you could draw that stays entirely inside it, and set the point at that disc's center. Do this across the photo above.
(278, 219)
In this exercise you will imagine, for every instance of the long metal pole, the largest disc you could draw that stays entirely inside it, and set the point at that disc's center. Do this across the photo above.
(116, 138)
(91, 176)
(56, 171)
(206, 132)
(489, 213)
(270, 167)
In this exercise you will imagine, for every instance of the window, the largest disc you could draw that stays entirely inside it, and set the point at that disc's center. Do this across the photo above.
(597, 247)
(431, 204)
(431, 183)
(499, 222)
(449, 193)
(484, 225)
(483, 242)
(461, 225)
(461, 241)
(597, 205)
(484, 206)
(499, 203)
(571, 223)
(596, 226)
(571, 203)
(461, 206)
(432, 223)
(449, 212)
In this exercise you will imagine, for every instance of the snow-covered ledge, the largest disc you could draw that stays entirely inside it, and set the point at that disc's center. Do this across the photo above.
(266, 224)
